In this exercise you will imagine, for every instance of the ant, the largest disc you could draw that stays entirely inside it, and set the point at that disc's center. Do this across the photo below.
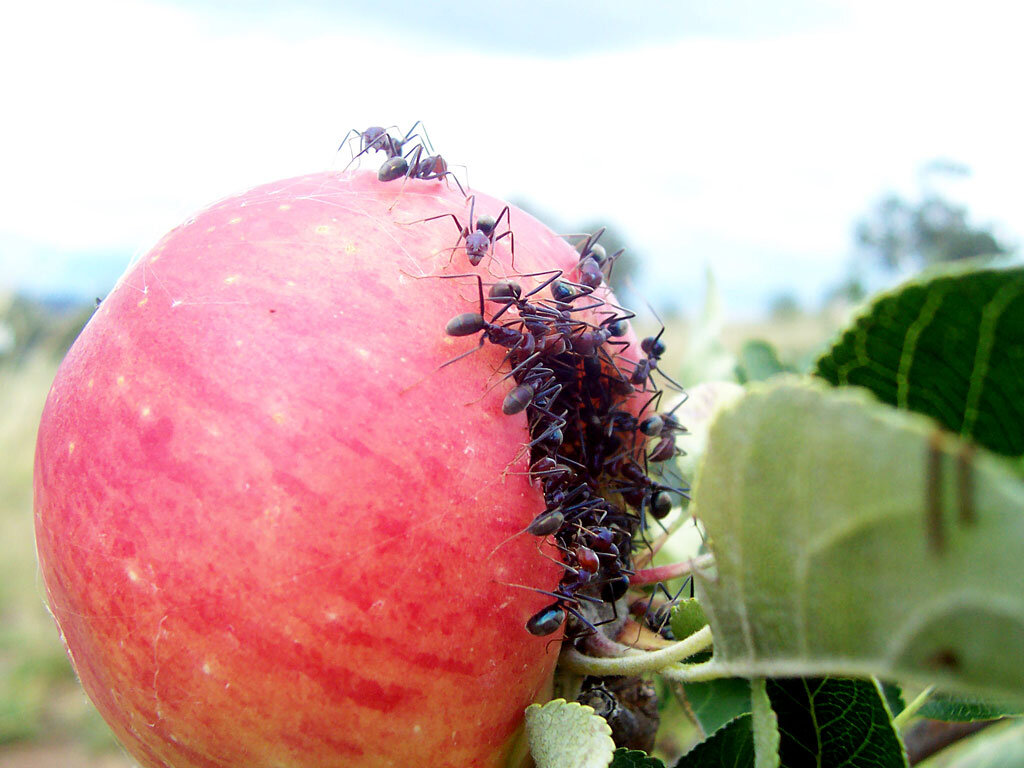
(653, 348)
(480, 240)
(550, 618)
(469, 323)
(378, 139)
(594, 258)
(415, 166)
(430, 168)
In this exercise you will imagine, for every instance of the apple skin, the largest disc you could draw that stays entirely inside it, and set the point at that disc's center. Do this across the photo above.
(268, 522)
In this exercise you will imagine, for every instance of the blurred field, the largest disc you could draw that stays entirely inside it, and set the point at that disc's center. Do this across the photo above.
(45, 719)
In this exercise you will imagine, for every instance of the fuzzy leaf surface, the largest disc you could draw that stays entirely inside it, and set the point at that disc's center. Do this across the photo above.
(765, 724)
(855, 540)
(948, 346)
(955, 708)
(568, 735)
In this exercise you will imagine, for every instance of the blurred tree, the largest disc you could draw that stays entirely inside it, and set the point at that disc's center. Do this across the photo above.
(785, 306)
(899, 233)
(28, 325)
(852, 289)
(627, 267)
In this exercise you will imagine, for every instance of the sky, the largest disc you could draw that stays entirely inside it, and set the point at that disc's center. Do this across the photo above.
(742, 136)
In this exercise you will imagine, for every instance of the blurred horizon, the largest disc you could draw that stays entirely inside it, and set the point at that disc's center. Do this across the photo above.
(722, 136)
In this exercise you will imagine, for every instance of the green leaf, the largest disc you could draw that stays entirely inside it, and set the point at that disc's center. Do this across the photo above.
(833, 721)
(716, 702)
(950, 347)
(847, 545)
(568, 735)
(893, 698)
(731, 747)
(759, 361)
(998, 746)
(630, 758)
(957, 708)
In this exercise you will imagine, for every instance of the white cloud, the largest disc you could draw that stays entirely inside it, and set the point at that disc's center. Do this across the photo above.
(754, 154)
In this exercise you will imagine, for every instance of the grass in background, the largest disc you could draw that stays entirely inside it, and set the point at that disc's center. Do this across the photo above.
(40, 699)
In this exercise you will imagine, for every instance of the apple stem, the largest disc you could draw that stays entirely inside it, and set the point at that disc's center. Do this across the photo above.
(670, 571)
(643, 638)
(598, 644)
(632, 662)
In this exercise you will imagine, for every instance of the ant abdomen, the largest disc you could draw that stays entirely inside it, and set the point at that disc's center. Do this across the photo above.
(465, 324)
(547, 620)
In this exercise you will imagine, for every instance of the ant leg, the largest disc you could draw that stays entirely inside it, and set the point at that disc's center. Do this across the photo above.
(610, 263)
(589, 242)
(409, 136)
(527, 363)
(672, 382)
(464, 354)
(512, 244)
(555, 274)
(457, 182)
(353, 133)
(458, 224)
(413, 159)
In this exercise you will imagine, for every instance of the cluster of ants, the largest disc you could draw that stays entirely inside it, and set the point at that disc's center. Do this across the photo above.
(588, 443)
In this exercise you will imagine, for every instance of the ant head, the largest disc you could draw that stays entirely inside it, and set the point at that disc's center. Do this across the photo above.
(476, 246)
(590, 272)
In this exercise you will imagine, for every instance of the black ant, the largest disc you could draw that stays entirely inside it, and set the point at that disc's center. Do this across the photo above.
(378, 139)
(480, 240)
(430, 168)
(415, 166)
(469, 323)
(653, 348)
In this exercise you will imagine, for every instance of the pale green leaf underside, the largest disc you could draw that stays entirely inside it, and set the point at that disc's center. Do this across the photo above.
(951, 708)
(568, 735)
(765, 724)
(832, 561)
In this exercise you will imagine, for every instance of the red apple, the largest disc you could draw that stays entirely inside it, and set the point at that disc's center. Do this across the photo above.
(268, 521)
